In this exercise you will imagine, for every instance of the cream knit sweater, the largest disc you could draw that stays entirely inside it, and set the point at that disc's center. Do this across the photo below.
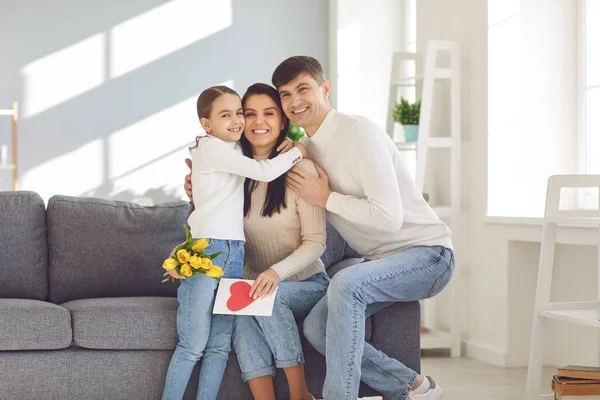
(291, 242)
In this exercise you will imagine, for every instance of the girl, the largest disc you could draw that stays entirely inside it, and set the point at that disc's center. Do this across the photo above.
(218, 172)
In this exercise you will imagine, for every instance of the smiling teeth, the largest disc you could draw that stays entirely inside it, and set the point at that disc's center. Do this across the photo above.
(300, 111)
(260, 131)
(235, 129)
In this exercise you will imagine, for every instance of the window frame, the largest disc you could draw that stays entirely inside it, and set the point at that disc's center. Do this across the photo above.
(586, 198)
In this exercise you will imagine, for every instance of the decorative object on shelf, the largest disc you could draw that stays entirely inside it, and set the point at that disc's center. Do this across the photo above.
(407, 114)
(3, 155)
(14, 114)
(296, 132)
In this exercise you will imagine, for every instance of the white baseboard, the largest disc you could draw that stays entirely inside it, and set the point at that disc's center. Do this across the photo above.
(485, 353)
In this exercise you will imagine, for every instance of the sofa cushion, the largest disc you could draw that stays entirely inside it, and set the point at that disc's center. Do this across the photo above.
(128, 323)
(24, 253)
(33, 325)
(125, 323)
(105, 248)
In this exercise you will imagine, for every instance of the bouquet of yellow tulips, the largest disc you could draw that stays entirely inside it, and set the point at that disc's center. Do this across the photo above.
(190, 259)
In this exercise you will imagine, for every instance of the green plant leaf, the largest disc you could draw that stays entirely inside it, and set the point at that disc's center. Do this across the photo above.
(215, 255)
(188, 240)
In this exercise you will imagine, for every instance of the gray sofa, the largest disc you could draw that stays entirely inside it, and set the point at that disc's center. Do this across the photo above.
(84, 315)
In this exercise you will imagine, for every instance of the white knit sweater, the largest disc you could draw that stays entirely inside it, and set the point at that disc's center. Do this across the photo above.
(375, 204)
(218, 172)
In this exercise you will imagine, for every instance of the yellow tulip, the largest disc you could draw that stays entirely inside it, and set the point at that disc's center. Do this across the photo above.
(186, 269)
(200, 245)
(214, 272)
(183, 256)
(206, 263)
(169, 264)
(195, 262)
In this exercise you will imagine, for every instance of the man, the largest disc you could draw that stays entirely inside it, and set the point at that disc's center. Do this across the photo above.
(372, 201)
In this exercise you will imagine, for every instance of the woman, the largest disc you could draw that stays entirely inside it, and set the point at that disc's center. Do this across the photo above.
(285, 236)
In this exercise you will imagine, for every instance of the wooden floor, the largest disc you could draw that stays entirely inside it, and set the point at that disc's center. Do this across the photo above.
(467, 379)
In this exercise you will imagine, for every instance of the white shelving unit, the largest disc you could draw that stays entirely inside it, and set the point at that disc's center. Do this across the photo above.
(451, 213)
(583, 312)
(14, 114)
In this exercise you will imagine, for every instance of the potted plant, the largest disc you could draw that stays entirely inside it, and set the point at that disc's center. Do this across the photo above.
(407, 114)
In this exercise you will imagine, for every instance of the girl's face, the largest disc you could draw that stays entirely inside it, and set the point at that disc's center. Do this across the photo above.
(264, 122)
(226, 120)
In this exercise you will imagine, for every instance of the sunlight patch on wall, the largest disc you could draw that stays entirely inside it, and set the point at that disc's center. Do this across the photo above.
(72, 173)
(157, 182)
(62, 75)
(146, 159)
(163, 30)
(146, 142)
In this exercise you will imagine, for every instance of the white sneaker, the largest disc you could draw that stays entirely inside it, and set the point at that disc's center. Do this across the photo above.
(434, 392)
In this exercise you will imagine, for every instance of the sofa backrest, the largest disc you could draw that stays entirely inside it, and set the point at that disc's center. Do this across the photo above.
(23, 249)
(105, 248)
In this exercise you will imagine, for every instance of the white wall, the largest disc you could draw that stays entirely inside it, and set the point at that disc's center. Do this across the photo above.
(367, 35)
(499, 266)
(108, 92)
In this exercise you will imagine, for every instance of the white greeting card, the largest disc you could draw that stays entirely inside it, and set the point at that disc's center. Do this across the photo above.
(232, 298)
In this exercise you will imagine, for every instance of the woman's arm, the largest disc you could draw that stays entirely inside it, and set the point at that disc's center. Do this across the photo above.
(313, 234)
(222, 157)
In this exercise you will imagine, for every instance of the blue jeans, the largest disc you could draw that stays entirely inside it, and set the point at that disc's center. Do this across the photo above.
(259, 340)
(202, 334)
(336, 325)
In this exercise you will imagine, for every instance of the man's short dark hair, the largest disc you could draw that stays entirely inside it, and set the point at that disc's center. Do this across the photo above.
(291, 68)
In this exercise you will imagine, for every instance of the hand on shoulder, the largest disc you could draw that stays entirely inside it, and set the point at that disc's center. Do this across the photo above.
(302, 149)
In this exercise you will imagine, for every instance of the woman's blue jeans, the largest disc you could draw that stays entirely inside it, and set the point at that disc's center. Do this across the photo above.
(265, 343)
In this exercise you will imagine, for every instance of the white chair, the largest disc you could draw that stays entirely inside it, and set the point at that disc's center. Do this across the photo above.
(577, 312)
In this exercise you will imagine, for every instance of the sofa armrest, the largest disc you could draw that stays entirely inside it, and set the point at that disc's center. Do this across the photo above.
(396, 332)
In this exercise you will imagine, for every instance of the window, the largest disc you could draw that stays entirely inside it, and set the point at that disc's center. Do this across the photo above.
(590, 94)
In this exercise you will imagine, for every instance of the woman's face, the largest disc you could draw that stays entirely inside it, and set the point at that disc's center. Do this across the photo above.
(264, 122)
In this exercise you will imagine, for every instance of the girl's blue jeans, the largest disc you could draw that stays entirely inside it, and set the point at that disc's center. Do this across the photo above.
(203, 335)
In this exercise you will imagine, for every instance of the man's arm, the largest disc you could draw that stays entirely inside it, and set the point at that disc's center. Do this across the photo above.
(381, 206)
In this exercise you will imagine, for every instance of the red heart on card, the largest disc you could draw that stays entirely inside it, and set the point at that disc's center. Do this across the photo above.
(240, 296)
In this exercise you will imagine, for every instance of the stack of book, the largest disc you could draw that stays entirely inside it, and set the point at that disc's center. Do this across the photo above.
(575, 382)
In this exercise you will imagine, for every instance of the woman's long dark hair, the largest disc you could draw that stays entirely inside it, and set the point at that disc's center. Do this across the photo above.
(275, 198)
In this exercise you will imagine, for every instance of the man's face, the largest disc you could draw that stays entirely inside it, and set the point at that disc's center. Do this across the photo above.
(305, 102)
